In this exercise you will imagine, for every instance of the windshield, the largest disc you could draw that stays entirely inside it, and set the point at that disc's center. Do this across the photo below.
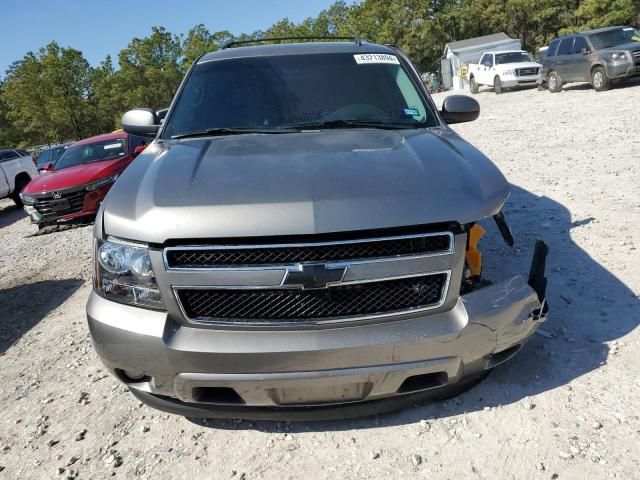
(513, 57)
(284, 91)
(615, 38)
(92, 152)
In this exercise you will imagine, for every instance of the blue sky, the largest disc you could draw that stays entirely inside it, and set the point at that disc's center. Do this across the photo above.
(101, 27)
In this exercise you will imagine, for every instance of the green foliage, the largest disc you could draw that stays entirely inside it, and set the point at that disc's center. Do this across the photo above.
(54, 94)
(602, 13)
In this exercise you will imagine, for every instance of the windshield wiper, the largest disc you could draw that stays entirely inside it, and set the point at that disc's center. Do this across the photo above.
(351, 124)
(213, 132)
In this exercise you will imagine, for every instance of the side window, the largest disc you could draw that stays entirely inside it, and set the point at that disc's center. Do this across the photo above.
(45, 157)
(137, 141)
(553, 48)
(579, 45)
(9, 155)
(22, 153)
(566, 46)
(488, 60)
(484, 58)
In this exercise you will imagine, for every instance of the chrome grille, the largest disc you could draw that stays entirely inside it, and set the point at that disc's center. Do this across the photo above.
(526, 72)
(285, 254)
(49, 207)
(242, 306)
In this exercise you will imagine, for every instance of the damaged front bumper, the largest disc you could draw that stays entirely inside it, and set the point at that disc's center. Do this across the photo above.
(317, 373)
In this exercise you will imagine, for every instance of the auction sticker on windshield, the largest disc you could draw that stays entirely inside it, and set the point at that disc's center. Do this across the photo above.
(367, 58)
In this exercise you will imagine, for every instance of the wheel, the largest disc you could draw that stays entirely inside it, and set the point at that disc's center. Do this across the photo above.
(554, 82)
(19, 186)
(473, 86)
(497, 85)
(599, 80)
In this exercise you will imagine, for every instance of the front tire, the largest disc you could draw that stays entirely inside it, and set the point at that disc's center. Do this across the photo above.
(473, 86)
(497, 85)
(554, 82)
(600, 80)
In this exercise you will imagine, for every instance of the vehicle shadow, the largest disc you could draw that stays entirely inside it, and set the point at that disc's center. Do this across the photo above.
(10, 213)
(619, 84)
(24, 306)
(589, 308)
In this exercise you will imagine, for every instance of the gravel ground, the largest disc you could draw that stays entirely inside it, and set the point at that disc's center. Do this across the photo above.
(566, 407)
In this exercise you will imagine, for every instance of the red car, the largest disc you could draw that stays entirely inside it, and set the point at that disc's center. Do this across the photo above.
(81, 178)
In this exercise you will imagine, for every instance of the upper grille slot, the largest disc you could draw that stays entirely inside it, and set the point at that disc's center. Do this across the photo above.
(226, 256)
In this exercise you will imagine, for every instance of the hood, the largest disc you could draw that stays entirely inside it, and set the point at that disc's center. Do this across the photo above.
(74, 176)
(517, 65)
(301, 183)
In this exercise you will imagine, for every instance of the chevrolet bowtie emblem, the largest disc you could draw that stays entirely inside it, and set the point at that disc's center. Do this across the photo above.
(313, 276)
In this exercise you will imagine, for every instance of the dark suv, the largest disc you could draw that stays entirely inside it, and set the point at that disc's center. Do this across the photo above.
(597, 56)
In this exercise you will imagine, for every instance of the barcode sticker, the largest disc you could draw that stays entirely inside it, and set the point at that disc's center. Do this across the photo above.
(369, 58)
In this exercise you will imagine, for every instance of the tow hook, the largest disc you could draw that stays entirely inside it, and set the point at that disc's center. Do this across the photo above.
(537, 280)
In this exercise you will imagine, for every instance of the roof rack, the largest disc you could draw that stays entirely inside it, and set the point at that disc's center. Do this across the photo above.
(357, 40)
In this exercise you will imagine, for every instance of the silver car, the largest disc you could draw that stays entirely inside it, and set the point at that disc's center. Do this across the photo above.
(301, 241)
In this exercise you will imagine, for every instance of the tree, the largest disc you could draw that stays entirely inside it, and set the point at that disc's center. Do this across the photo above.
(46, 95)
(200, 41)
(603, 13)
(150, 71)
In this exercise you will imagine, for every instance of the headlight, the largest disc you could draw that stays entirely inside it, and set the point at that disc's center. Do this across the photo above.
(123, 273)
(510, 73)
(27, 199)
(102, 182)
(618, 57)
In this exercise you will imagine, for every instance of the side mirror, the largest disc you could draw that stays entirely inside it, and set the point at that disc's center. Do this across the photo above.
(585, 51)
(141, 121)
(48, 167)
(460, 109)
(138, 150)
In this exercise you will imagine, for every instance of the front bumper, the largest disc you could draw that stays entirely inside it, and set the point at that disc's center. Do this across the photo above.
(622, 70)
(198, 371)
(87, 205)
(510, 82)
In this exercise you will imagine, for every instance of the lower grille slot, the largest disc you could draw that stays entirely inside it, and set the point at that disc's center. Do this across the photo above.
(298, 306)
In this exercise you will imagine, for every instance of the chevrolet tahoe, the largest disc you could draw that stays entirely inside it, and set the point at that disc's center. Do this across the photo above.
(301, 241)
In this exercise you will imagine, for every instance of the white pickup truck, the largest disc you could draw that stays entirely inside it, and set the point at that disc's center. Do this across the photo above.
(17, 168)
(503, 69)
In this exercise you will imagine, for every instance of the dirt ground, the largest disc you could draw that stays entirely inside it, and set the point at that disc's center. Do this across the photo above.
(566, 407)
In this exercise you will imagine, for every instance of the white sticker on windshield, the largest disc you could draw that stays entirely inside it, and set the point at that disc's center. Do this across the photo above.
(112, 146)
(628, 29)
(368, 58)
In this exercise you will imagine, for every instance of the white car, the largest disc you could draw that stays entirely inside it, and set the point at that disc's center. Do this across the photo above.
(17, 168)
(504, 69)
